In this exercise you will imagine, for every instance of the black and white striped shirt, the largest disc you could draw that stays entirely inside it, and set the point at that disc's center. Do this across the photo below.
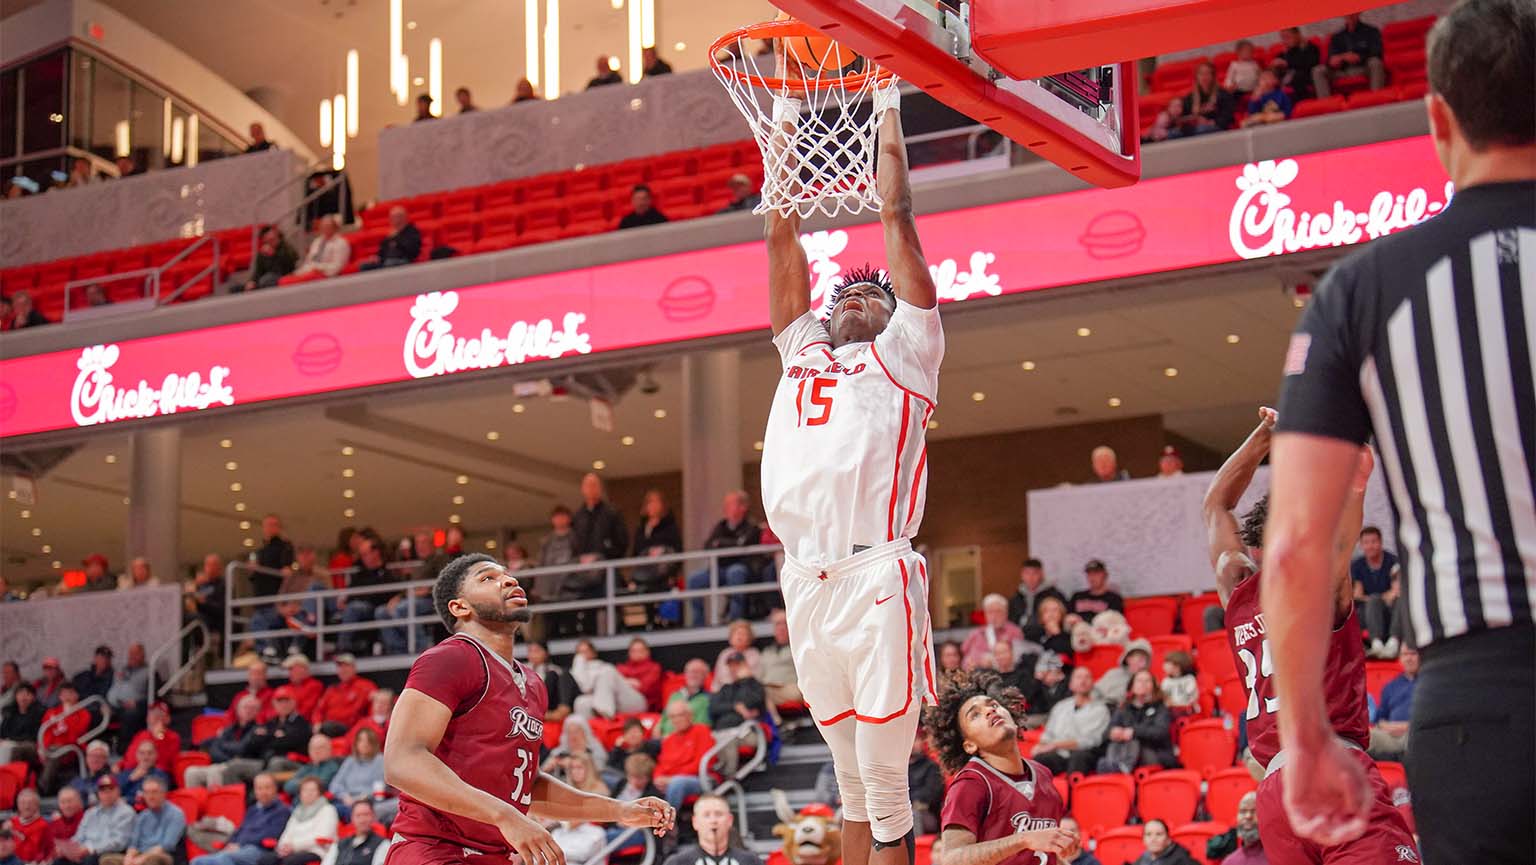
(1426, 340)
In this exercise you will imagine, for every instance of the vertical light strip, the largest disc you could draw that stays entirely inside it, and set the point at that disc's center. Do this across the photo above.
(403, 70)
(397, 81)
(121, 146)
(351, 94)
(435, 75)
(531, 41)
(338, 128)
(165, 130)
(325, 123)
(552, 49)
(647, 23)
(178, 140)
(632, 65)
(192, 151)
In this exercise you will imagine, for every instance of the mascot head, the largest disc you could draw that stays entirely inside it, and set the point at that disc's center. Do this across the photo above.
(811, 837)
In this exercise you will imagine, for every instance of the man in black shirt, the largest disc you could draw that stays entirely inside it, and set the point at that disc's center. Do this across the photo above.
(1024, 604)
(1354, 50)
(259, 140)
(712, 822)
(598, 533)
(1423, 341)
(1294, 65)
(652, 64)
(402, 246)
(1096, 598)
(644, 212)
(360, 847)
(275, 556)
(424, 108)
(606, 74)
(735, 529)
(360, 608)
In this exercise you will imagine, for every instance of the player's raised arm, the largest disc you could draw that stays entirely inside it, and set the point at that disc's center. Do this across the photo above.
(903, 252)
(789, 275)
(554, 799)
(1227, 488)
(1348, 535)
(410, 765)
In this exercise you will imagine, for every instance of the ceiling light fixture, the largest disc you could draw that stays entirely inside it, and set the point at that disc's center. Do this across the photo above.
(455, 519)
(250, 542)
(933, 424)
(231, 466)
(178, 139)
(647, 22)
(458, 500)
(226, 443)
(461, 480)
(325, 122)
(1233, 339)
(627, 441)
(47, 548)
(636, 41)
(1170, 372)
(410, 25)
(352, 93)
(37, 533)
(435, 75)
(978, 396)
(26, 515)
(235, 487)
(57, 565)
(239, 506)
(396, 50)
(531, 41)
(1028, 366)
(518, 408)
(551, 49)
(348, 493)
(338, 138)
(1114, 402)
(127, 500)
(1083, 331)
(492, 436)
(598, 465)
(245, 525)
(121, 145)
(680, 46)
(347, 451)
(659, 413)
(11, 494)
(111, 458)
(757, 445)
(192, 148)
(490, 545)
(347, 473)
(349, 513)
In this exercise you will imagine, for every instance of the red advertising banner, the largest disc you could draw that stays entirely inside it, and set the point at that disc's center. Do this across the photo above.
(1269, 208)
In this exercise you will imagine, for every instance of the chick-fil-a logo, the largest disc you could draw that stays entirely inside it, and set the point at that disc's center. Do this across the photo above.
(1263, 222)
(95, 399)
(952, 283)
(432, 349)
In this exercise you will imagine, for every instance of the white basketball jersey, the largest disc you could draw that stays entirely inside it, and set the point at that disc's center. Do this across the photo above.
(845, 456)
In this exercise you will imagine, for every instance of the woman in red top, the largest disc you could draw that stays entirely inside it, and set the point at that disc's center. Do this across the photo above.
(643, 674)
(167, 742)
(61, 727)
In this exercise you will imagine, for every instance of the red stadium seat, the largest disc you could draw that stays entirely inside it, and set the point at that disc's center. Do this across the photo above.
(9, 787)
(1151, 617)
(545, 187)
(459, 203)
(590, 208)
(1378, 674)
(1194, 836)
(721, 157)
(1370, 98)
(205, 727)
(542, 222)
(1394, 774)
(1101, 801)
(1225, 789)
(1406, 34)
(622, 176)
(1214, 656)
(458, 232)
(586, 182)
(1231, 697)
(1170, 796)
(1176, 76)
(1063, 788)
(1207, 746)
(499, 195)
(1100, 659)
(923, 852)
(1164, 644)
(190, 803)
(185, 759)
(672, 165)
(227, 801)
(1192, 613)
(607, 730)
(1119, 845)
(1413, 89)
(1316, 107)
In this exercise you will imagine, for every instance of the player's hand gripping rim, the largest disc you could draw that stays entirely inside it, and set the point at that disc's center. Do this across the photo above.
(532, 842)
(649, 813)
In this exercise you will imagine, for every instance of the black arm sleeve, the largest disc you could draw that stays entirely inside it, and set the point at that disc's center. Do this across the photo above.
(1320, 393)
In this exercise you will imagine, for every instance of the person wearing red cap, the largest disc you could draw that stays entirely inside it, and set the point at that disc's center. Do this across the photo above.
(255, 686)
(1170, 464)
(306, 688)
(345, 702)
(167, 741)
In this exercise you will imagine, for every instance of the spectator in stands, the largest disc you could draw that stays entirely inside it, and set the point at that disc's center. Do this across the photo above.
(380, 704)
(328, 254)
(1180, 690)
(105, 827)
(1106, 465)
(10, 677)
(643, 673)
(738, 641)
(1371, 573)
(1050, 631)
(638, 781)
(96, 680)
(465, 100)
(311, 826)
(139, 574)
(694, 694)
(289, 616)
(259, 140)
(925, 781)
(558, 683)
(1049, 686)
(735, 529)
(1095, 599)
(632, 741)
(29, 830)
(286, 732)
(275, 258)
(126, 694)
(739, 702)
(255, 686)
(524, 92)
(605, 692)
(80, 174)
(1207, 107)
(777, 665)
(677, 766)
(344, 703)
(581, 773)
(1170, 464)
(1075, 854)
(1006, 662)
(712, 821)
(576, 740)
(1243, 72)
(950, 657)
(371, 571)
(126, 167)
(643, 209)
(580, 841)
(206, 601)
(274, 557)
(1242, 845)
(48, 686)
(361, 776)
(424, 108)
(1160, 848)
(1354, 50)
(323, 765)
(401, 246)
(146, 757)
(1294, 65)
(1024, 604)
(1389, 733)
(98, 574)
(607, 73)
(62, 728)
(1140, 730)
(1112, 686)
(71, 808)
(98, 756)
(23, 313)
(157, 831)
(264, 821)
(234, 742)
(656, 534)
(599, 533)
(418, 602)
(1075, 729)
(1269, 104)
(743, 195)
(652, 64)
(360, 844)
(995, 628)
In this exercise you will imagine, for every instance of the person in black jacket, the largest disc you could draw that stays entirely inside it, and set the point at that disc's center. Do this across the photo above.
(926, 784)
(1024, 604)
(286, 733)
(656, 534)
(1140, 731)
(1294, 65)
(360, 608)
(362, 845)
(402, 246)
(19, 723)
(1207, 107)
(96, 680)
(1160, 848)
(736, 529)
(741, 701)
(1354, 50)
(231, 744)
(599, 533)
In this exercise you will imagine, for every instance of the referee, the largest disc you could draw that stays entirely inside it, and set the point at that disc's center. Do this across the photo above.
(1426, 341)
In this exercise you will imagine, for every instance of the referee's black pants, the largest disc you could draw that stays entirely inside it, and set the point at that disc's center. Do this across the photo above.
(1472, 749)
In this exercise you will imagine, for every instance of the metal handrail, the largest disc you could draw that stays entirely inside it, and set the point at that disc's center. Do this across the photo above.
(611, 601)
(186, 666)
(621, 840)
(732, 786)
(106, 720)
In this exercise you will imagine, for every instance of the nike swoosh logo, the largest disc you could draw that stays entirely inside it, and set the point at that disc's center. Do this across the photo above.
(884, 599)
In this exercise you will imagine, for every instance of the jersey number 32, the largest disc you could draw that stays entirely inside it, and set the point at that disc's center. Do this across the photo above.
(1257, 668)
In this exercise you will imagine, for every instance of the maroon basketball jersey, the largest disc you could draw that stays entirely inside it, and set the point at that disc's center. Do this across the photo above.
(492, 741)
(992, 804)
(1343, 674)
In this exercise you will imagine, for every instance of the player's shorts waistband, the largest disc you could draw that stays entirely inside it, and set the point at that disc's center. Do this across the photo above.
(1277, 762)
(438, 842)
(879, 554)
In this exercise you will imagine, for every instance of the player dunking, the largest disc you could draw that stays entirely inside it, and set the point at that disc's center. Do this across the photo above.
(463, 746)
(844, 473)
(1001, 808)
(1235, 553)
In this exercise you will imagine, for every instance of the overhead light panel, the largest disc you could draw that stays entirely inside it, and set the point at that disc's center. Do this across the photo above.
(435, 75)
(531, 41)
(397, 77)
(192, 139)
(351, 94)
(338, 125)
(647, 22)
(178, 140)
(551, 49)
(325, 123)
(121, 145)
(636, 40)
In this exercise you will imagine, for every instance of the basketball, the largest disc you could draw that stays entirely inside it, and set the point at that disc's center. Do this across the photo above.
(816, 52)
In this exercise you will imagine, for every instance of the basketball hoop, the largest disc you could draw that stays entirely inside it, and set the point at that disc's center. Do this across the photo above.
(805, 103)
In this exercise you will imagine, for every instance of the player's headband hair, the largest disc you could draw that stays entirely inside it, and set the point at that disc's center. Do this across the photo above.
(865, 275)
(450, 580)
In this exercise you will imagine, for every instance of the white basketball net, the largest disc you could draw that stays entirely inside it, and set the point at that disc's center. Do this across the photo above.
(825, 161)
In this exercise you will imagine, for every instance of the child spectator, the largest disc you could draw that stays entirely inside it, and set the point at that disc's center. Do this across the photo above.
(1270, 103)
(1243, 72)
(632, 741)
(639, 779)
(1180, 691)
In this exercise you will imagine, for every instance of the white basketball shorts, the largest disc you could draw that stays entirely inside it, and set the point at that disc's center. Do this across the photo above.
(859, 630)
